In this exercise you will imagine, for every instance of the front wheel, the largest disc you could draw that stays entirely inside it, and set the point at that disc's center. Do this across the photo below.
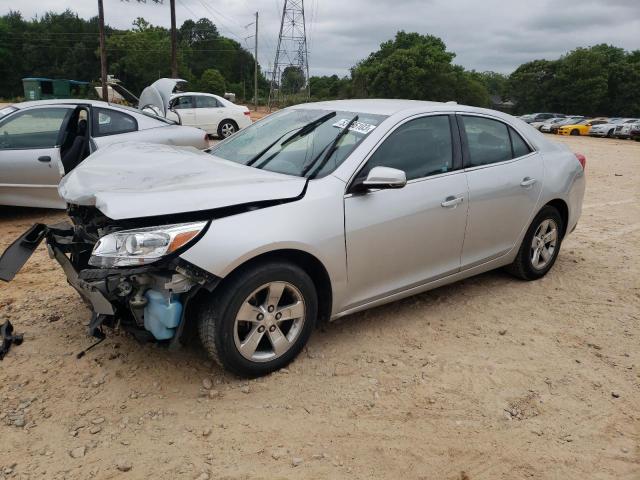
(540, 245)
(575, 132)
(260, 319)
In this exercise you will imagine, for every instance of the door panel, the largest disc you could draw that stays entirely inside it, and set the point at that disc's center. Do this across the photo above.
(27, 181)
(30, 167)
(185, 108)
(400, 238)
(500, 207)
(505, 179)
(209, 113)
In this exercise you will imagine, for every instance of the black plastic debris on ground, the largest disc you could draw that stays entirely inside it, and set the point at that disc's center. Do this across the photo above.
(8, 338)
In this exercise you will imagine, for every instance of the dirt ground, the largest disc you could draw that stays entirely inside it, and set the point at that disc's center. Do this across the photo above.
(489, 378)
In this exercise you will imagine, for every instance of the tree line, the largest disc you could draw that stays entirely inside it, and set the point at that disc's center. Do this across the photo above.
(597, 80)
(63, 45)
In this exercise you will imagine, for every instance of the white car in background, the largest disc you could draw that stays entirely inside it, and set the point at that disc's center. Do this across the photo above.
(608, 129)
(213, 114)
(550, 121)
(41, 141)
(551, 127)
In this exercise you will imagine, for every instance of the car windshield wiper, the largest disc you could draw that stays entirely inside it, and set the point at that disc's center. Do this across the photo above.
(301, 132)
(329, 149)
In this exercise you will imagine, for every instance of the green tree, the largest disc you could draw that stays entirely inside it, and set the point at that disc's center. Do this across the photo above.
(330, 87)
(417, 67)
(293, 80)
(212, 81)
(140, 56)
(530, 85)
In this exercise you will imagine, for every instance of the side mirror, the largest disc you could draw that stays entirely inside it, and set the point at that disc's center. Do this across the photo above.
(383, 178)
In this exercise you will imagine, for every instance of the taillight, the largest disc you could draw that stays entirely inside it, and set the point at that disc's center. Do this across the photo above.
(582, 159)
(247, 113)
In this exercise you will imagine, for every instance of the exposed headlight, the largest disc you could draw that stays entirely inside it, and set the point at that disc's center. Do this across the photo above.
(143, 245)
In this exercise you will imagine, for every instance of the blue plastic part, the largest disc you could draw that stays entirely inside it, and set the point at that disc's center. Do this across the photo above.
(161, 315)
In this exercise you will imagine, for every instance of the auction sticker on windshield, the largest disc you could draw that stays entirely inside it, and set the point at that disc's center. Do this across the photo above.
(358, 127)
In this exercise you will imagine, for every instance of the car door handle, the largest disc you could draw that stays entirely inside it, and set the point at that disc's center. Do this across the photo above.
(44, 158)
(527, 182)
(452, 201)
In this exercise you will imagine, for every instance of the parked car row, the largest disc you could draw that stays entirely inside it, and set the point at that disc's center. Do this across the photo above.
(42, 141)
(561, 124)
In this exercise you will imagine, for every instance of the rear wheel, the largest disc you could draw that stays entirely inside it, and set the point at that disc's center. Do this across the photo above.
(540, 245)
(260, 318)
(227, 128)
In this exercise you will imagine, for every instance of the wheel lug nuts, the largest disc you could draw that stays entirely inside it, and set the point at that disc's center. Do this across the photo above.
(272, 328)
(260, 316)
(271, 308)
(260, 329)
(278, 316)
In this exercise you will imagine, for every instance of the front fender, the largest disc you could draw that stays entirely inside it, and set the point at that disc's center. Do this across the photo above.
(313, 224)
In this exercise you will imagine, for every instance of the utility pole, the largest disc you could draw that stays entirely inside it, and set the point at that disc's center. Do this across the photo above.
(103, 53)
(255, 71)
(174, 41)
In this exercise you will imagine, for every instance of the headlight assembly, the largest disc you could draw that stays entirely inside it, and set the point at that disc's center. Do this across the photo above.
(143, 245)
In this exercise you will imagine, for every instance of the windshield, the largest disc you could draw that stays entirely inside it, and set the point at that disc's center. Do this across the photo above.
(296, 141)
(6, 111)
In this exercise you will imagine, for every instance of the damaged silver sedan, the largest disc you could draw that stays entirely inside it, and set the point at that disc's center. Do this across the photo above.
(315, 212)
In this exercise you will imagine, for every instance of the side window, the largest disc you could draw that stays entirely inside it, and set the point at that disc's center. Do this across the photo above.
(34, 128)
(182, 103)
(111, 122)
(203, 101)
(520, 147)
(488, 140)
(420, 148)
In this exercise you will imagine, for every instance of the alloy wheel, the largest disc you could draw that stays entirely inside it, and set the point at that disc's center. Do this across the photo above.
(227, 129)
(269, 321)
(543, 245)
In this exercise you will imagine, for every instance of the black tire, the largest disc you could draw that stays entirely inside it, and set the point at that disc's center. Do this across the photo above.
(224, 126)
(575, 132)
(217, 315)
(522, 267)
(610, 133)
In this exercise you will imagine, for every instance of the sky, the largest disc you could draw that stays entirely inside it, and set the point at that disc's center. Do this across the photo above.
(494, 35)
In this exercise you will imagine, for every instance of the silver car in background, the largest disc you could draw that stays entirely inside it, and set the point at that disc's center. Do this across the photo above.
(41, 141)
(313, 213)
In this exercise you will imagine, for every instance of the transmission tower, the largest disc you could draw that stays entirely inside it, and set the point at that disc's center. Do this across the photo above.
(291, 55)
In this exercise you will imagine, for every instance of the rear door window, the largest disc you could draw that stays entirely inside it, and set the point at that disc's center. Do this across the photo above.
(206, 102)
(488, 140)
(112, 122)
(520, 147)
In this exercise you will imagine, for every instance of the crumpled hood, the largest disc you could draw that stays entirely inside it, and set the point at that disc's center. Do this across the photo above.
(133, 180)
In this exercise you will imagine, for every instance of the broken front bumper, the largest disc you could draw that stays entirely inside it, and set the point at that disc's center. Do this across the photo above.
(147, 300)
(59, 238)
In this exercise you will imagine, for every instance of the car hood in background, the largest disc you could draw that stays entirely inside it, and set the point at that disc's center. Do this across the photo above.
(157, 95)
(134, 180)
